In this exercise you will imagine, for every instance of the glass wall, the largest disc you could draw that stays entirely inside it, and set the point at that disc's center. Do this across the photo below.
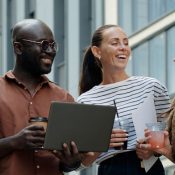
(59, 28)
(30, 10)
(11, 13)
(0, 36)
(170, 46)
(140, 58)
(155, 58)
(157, 62)
(156, 53)
(135, 14)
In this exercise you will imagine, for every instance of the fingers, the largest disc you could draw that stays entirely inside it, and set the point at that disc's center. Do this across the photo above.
(144, 146)
(118, 137)
(74, 148)
(91, 153)
(143, 153)
(66, 151)
(114, 131)
(113, 145)
(166, 133)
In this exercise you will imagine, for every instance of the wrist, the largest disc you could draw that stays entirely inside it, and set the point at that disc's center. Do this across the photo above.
(81, 167)
(157, 154)
(67, 168)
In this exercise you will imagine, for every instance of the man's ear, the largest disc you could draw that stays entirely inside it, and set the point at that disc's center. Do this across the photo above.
(96, 52)
(17, 48)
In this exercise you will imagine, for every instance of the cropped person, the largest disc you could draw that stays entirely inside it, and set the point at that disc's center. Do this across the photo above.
(169, 136)
(104, 81)
(26, 92)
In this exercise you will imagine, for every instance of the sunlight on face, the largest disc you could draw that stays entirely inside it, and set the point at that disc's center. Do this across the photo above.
(114, 49)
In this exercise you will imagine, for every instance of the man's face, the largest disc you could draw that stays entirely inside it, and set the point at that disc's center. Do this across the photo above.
(37, 58)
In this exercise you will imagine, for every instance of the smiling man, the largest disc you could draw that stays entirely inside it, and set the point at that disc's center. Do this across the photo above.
(26, 92)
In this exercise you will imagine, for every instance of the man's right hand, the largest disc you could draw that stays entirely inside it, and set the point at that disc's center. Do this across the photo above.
(30, 137)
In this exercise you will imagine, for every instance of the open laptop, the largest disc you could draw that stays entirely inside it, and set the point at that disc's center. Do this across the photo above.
(89, 126)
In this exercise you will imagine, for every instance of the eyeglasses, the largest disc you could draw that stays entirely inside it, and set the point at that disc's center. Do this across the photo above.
(44, 44)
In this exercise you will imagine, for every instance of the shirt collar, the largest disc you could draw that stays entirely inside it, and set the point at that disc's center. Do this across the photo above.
(10, 75)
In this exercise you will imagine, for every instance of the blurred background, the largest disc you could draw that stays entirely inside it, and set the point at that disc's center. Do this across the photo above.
(150, 25)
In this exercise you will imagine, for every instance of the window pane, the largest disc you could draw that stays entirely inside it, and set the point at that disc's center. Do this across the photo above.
(140, 58)
(157, 61)
(125, 15)
(0, 54)
(170, 5)
(140, 14)
(0, 37)
(156, 9)
(170, 57)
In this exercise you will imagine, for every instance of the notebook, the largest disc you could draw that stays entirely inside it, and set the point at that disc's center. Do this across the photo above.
(89, 126)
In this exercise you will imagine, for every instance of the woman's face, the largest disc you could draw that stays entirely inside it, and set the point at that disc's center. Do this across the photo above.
(114, 50)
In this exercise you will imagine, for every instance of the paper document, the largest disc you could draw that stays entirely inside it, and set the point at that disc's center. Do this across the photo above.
(146, 113)
(111, 152)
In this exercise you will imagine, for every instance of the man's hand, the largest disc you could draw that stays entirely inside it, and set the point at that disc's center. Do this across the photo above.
(30, 137)
(70, 158)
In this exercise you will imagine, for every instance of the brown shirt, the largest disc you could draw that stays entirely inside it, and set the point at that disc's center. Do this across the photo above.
(16, 107)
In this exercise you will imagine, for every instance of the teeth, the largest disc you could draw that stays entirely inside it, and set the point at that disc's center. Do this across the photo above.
(47, 61)
(122, 56)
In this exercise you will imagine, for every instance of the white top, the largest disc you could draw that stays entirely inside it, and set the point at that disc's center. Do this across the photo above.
(128, 94)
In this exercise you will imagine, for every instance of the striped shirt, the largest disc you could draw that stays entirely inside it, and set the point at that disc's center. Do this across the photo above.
(128, 95)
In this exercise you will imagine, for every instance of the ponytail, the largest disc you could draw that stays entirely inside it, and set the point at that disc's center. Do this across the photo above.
(91, 74)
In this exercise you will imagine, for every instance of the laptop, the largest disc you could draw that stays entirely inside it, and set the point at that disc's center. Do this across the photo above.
(89, 126)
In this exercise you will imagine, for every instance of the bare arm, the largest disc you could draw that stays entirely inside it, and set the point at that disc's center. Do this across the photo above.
(6, 146)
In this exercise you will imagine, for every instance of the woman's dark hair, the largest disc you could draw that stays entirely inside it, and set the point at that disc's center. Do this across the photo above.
(91, 74)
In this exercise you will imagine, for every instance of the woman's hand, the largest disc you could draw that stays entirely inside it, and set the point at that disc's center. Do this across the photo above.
(142, 150)
(118, 137)
(142, 145)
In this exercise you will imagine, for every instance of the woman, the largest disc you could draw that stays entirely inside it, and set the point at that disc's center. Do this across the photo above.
(104, 81)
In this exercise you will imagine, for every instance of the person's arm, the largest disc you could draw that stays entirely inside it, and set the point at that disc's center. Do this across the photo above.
(71, 159)
(166, 150)
(31, 136)
(7, 145)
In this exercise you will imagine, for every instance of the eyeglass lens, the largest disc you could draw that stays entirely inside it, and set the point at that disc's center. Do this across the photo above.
(45, 45)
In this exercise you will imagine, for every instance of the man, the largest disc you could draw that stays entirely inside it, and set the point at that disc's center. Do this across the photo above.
(25, 92)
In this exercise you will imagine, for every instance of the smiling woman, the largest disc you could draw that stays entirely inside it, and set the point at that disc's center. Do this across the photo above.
(104, 81)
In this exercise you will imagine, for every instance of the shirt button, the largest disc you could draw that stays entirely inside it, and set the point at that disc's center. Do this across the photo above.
(31, 103)
(37, 166)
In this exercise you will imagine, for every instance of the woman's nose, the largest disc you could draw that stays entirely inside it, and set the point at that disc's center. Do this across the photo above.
(122, 46)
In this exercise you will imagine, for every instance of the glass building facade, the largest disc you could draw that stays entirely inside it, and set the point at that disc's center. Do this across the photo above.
(156, 52)
(150, 25)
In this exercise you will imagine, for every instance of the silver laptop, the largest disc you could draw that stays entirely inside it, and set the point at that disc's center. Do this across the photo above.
(89, 126)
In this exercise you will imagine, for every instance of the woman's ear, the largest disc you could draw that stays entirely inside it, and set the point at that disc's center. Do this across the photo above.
(17, 48)
(96, 52)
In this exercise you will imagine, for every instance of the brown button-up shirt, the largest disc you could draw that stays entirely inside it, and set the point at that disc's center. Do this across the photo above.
(17, 105)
